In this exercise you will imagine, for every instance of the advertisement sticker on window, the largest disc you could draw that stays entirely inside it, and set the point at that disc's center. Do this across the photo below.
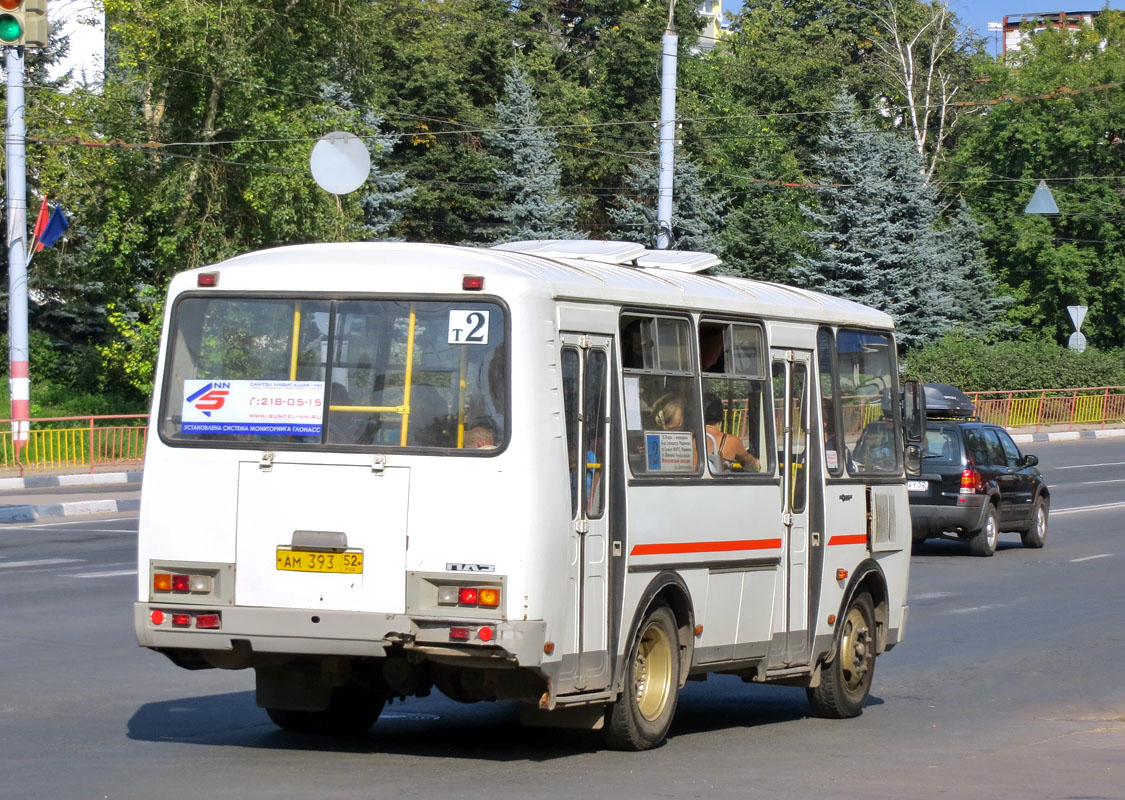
(286, 408)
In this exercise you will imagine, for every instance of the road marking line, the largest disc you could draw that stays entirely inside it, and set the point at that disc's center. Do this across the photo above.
(1105, 507)
(1090, 483)
(1090, 558)
(112, 574)
(1085, 466)
(41, 562)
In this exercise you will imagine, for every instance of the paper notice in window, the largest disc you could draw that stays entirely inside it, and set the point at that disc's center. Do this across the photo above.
(670, 451)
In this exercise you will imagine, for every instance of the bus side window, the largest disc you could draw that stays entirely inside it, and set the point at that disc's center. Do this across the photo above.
(662, 417)
(734, 379)
(570, 363)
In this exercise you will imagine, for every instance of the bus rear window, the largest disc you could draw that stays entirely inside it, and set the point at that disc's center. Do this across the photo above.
(345, 373)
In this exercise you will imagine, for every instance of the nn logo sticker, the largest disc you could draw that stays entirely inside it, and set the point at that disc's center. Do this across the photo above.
(210, 397)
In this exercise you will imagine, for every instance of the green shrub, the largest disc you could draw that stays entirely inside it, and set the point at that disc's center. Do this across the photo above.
(974, 366)
(70, 382)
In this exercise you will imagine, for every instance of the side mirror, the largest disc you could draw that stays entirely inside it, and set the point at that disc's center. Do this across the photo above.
(1030, 460)
(913, 459)
(913, 413)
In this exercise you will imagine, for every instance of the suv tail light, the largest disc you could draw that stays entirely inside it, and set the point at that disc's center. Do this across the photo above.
(971, 482)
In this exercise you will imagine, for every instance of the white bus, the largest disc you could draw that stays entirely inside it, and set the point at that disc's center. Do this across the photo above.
(568, 474)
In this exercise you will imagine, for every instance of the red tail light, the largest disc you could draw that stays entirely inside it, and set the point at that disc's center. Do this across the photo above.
(971, 482)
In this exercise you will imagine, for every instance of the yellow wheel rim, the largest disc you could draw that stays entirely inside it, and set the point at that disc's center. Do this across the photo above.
(652, 672)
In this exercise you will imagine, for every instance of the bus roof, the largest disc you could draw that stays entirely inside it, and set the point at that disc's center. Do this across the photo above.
(582, 273)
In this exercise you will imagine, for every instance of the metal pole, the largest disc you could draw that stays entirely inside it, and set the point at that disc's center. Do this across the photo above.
(19, 383)
(670, 42)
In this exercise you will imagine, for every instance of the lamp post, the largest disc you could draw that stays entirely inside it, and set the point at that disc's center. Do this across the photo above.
(669, 42)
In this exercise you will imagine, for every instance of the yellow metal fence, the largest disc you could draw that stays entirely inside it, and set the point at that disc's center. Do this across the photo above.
(1038, 408)
(75, 443)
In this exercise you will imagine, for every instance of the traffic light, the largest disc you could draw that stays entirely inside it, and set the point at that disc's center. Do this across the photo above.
(23, 22)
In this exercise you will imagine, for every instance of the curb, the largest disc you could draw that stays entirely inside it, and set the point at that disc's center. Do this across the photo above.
(53, 510)
(89, 479)
(1067, 436)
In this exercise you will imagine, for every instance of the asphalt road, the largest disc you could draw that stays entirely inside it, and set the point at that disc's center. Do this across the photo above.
(1010, 684)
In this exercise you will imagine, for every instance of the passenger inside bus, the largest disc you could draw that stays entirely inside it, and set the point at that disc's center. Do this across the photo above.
(725, 453)
(668, 412)
(480, 436)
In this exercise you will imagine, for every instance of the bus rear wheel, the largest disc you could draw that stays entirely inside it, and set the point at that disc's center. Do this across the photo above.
(351, 711)
(846, 682)
(642, 715)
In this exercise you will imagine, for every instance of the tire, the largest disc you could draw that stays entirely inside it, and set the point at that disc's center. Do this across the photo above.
(350, 712)
(846, 681)
(297, 721)
(1036, 535)
(983, 542)
(640, 718)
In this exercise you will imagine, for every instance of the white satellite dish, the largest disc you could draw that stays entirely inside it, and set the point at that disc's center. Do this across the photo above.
(340, 162)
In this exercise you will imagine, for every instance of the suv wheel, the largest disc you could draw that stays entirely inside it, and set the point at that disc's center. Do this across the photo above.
(1036, 534)
(983, 542)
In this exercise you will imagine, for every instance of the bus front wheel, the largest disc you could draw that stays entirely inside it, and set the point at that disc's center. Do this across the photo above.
(846, 682)
(642, 715)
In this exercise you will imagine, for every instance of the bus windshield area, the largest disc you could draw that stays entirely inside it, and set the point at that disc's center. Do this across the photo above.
(868, 401)
(343, 373)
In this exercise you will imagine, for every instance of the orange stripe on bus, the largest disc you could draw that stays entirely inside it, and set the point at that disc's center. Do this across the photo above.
(851, 538)
(676, 548)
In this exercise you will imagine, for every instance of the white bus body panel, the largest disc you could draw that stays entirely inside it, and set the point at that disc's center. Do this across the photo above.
(509, 512)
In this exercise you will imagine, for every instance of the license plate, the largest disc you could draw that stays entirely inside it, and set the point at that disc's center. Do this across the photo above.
(917, 486)
(307, 561)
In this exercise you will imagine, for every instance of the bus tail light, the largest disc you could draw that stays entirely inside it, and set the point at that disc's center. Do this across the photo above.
(479, 596)
(182, 583)
(460, 634)
(971, 482)
(181, 620)
(208, 621)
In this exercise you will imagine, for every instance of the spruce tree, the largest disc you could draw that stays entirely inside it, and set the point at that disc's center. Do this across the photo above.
(697, 216)
(531, 177)
(875, 229)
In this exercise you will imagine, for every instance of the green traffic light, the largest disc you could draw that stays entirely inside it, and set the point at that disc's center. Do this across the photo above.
(10, 29)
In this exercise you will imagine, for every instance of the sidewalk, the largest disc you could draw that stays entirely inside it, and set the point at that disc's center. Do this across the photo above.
(29, 499)
(1066, 433)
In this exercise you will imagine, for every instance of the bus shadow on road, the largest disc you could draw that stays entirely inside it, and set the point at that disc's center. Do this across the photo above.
(436, 727)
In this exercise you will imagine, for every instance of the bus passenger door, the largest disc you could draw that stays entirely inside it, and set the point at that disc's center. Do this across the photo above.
(585, 371)
(791, 370)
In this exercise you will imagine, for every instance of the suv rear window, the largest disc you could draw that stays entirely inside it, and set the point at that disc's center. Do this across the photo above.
(942, 447)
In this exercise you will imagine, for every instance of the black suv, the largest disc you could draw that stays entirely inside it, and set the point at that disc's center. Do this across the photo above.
(974, 481)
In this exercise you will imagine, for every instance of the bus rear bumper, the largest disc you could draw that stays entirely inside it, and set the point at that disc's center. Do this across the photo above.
(249, 636)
